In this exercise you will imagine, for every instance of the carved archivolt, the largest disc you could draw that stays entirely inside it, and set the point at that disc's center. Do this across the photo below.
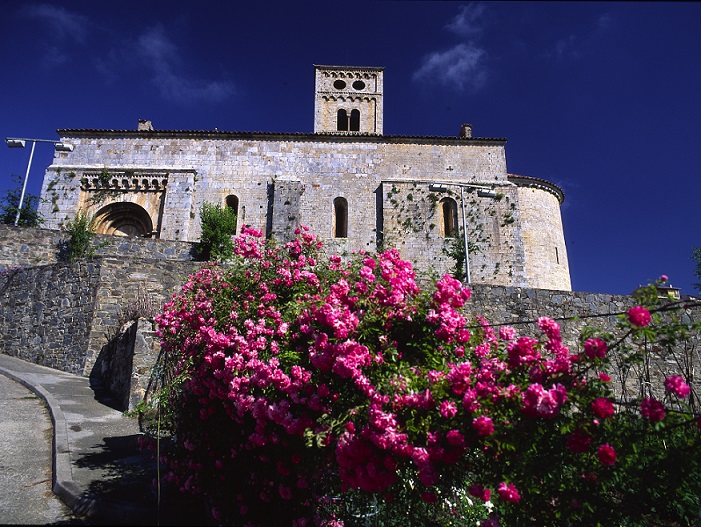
(124, 219)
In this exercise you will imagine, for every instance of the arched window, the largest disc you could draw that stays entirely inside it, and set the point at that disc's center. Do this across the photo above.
(355, 121)
(340, 218)
(342, 120)
(449, 217)
(232, 202)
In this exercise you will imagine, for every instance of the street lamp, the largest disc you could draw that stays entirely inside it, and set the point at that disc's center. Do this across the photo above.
(482, 192)
(59, 146)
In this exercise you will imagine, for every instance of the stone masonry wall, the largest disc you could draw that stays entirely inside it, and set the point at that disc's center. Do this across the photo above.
(412, 222)
(46, 313)
(543, 239)
(203, 166)
(26, 247)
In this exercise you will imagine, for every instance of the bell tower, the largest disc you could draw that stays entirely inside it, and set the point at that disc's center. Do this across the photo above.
(348, 99)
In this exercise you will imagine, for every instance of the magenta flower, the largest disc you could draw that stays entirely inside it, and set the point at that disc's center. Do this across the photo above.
(455, 438)
(607, 455)
(602, 408)
(652, 409)
(507, 333)
(676, 385)
(483, 425)
(578, 441)
(639, 316)
(595, 348)
(480, 492)
(508, 493)
(429, 497)
(539, 402)
(448, 409)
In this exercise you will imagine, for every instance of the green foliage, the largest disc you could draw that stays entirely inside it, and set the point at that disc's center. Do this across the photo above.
(456, 251)
(218, 226)
(82, 231)
(29, 216)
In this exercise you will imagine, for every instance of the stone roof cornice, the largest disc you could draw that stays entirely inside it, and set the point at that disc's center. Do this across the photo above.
(542, 184)
(279, 136)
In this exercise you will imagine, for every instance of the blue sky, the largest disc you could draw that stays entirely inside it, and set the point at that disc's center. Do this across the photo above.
(602, 99)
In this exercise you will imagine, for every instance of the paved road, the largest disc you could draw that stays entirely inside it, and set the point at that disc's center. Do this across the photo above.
(25, 460)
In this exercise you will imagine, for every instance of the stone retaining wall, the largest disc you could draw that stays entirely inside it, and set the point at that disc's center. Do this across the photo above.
(27, 247)
(46, 313)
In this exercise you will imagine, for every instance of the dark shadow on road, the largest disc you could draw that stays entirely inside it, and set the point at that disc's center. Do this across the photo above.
(125, 493)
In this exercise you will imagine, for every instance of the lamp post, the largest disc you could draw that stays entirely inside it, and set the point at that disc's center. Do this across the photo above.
(21, 143)
(482, 192)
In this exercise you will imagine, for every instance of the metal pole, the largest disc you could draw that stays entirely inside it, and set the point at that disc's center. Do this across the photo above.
(464, 238)
(24, 186)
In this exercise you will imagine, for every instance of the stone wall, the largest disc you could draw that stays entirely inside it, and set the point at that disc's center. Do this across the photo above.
(46, 313)
(282, 180)
(27, 247)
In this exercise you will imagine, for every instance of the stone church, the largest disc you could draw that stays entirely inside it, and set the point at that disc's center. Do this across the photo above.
(355, 187)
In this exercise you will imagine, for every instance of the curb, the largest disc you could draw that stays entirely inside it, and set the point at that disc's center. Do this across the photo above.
(63, 485)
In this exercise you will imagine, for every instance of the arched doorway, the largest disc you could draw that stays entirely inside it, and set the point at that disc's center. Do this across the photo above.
(124, 219)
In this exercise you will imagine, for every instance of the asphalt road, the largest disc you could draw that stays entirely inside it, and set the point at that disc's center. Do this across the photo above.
(25, 460)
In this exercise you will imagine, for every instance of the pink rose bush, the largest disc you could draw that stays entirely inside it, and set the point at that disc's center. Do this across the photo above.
(295, 385)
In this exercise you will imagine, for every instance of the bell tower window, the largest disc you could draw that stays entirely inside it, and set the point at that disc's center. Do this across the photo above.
(355, 120)
(342, 120)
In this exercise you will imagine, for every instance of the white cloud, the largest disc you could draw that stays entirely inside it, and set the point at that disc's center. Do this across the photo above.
(574, 46)
(163, 67)
(460, 67)
(566, 47)
(468, 22)
(64, 24)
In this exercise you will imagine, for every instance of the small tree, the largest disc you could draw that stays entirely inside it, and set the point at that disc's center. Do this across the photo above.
(82, 231)
(218, 226)
(29, 216)
(696, 256)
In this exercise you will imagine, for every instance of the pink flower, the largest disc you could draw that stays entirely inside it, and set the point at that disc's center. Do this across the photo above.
(507, 333)
(537, 402)
(508, 493)
(429, 497)
(448, 409)
(483, 425)
(639, 316)
(606, 455)
(455, 438)
(480, 492)
(664, 278)
(595, 348)
(676, 385)
(549, 327)
(285, 492)
(652, 409)
(602, 408)
(578, 441)
(604, 377)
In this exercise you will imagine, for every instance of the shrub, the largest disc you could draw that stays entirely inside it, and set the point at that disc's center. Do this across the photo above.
(82, 232)
(218, 226)
(301, 390)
